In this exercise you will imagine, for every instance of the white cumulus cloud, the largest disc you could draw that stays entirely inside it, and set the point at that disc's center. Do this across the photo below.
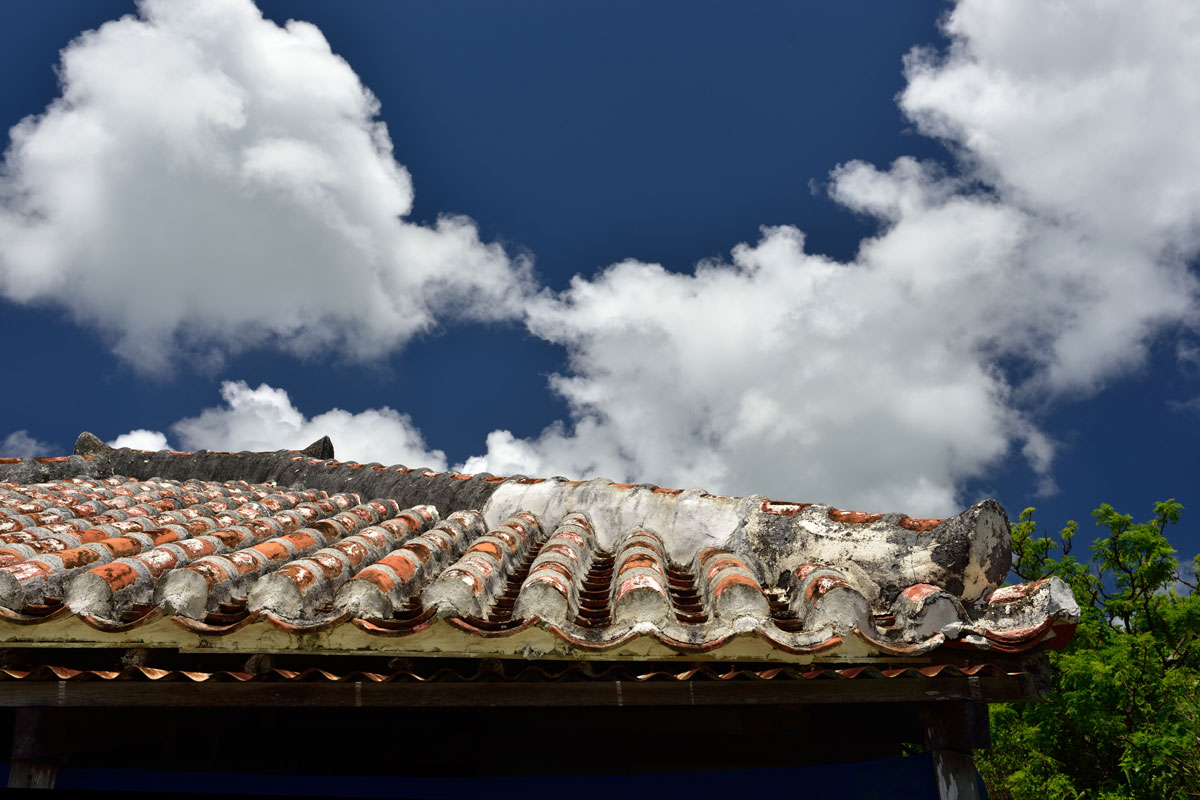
(1037, 270)
(265, 419)
(1040, 270)
(142, 439)
(211, 181)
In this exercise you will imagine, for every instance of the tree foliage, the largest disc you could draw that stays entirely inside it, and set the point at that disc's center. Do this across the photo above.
(1123, 716)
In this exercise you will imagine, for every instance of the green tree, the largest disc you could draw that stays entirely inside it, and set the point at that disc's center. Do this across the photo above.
(1122, 719)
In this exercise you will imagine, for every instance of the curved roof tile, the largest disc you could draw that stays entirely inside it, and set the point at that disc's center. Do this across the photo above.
(224, 547)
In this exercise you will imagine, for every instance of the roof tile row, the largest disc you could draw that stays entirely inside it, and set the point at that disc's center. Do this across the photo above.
(216, 556)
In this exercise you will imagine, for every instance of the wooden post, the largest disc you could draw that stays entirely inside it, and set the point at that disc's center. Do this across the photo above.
(955, 775)
(31, 768)
(952, 731)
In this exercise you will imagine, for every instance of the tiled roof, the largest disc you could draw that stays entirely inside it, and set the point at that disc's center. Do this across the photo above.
(288, 551)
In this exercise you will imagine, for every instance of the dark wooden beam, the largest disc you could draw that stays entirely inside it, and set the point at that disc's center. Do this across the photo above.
(956, 726)
(366, 694)
(32, 765)
(609, 740)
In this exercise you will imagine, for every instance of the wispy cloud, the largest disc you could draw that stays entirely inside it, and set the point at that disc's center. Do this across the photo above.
(19, 444)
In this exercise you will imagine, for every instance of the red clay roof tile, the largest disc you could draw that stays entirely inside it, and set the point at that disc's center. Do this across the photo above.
(596, 565)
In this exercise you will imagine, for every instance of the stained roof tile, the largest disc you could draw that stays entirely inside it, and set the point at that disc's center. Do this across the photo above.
(392, 559)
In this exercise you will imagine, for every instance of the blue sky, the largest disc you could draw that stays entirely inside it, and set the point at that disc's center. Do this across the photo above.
(1009, 310)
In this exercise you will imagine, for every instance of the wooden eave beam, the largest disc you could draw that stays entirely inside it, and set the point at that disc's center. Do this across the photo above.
(367, 694)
